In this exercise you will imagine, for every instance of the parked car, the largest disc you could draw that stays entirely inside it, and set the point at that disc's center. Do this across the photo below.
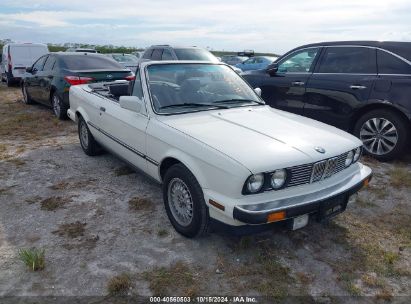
(126, 60)
(222, 155)
(16, 57)
(233, 59)
(81, 50)
(49, 79)
(256, 63)
(138, 54)
(167, 52)
(362, 87)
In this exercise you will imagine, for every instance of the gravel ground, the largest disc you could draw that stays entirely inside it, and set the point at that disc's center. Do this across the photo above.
(105, 231)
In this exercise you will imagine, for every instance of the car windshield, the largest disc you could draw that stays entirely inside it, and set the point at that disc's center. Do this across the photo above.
(195, 54)
(125, 58)
(177, 88)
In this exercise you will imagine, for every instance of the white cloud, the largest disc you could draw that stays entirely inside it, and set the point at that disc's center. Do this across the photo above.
(231, 24)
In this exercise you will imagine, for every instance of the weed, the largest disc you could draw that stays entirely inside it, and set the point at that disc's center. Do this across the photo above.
(124, 170)
(140, 204)
(71, 230)
(162, 233)
(119, 285)
(53, 203)
(178, 278)
(33, 258)
(400, 177)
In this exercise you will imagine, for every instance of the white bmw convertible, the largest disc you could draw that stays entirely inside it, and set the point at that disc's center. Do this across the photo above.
(222, 155)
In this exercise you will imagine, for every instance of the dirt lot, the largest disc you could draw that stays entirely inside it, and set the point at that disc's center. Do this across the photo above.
(104, 230)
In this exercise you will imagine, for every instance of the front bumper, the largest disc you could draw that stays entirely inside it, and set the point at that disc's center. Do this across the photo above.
(299, 205)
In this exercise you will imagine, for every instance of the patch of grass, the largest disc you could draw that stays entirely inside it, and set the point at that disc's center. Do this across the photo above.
(400, 177)
(140, 204)
(18, 162)
(244, 243)
(263, 273)
(72, 184)
(119, 285)
(364, 202)
(390, 257)
(59, 186)
(28, 122)
(34, 258)
(179, 278)
(87, 243)
(379, 192)
(6, 190)
(71, 230)
(124, 170)
(53, 203)
(372, 280)
(385, 295)
(162, 233)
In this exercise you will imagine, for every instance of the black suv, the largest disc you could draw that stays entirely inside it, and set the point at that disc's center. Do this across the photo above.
(363, 87)
(167, 52)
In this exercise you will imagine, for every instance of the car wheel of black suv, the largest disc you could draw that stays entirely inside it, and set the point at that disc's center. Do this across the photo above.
(26, 97)
(60, 110)
(87, 141)
(184, 202)
(383, 132)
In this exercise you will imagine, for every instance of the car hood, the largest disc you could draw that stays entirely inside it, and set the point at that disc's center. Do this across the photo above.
(262, 138)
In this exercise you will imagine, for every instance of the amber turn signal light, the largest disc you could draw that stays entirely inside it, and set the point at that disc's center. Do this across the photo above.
(276, 216)
(217, 205)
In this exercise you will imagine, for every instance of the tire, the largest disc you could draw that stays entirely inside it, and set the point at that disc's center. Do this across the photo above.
(384, 134)
(87, 141)
(59, 108)
(26, 96)
(9, 82)
(182, 184)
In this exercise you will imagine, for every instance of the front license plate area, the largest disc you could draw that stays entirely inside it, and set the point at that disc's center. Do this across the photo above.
(332, 207)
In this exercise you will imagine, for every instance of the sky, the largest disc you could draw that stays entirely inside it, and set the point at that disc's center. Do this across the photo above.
(233, 25)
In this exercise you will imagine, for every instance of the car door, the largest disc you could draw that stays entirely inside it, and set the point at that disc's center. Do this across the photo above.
(285, 89)
(125, 130)
(33, 81)
(46, 78)
(341, 83)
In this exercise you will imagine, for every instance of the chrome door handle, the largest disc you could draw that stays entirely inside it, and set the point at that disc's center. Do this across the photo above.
(357, 87)
(298, 83)
(102, 109)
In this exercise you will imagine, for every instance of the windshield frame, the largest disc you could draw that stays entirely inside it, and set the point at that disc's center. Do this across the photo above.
(193, 110)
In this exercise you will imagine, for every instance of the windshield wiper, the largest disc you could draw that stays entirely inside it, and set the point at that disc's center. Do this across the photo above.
(192, 104)
(236, 100)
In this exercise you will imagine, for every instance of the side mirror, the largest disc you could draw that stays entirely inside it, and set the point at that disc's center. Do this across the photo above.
(272, 69)
(132, 103)
(29, 70)
(258, 91)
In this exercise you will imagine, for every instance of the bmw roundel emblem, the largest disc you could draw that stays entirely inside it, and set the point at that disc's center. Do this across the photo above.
(319, 150)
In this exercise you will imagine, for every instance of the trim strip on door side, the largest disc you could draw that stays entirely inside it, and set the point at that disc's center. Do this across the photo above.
(142, 155)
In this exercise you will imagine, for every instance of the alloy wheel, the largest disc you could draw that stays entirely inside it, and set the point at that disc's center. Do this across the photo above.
(84, 135)
(379, 136)
(180, 202)
(56, 105)
(25, 97)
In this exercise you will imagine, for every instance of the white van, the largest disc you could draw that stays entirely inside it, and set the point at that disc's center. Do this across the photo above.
(16, 57)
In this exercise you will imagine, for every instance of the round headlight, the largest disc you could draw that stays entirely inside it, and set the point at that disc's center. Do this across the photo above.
(349, 158)
(255, 183)
(357, 154)
(278, 178)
